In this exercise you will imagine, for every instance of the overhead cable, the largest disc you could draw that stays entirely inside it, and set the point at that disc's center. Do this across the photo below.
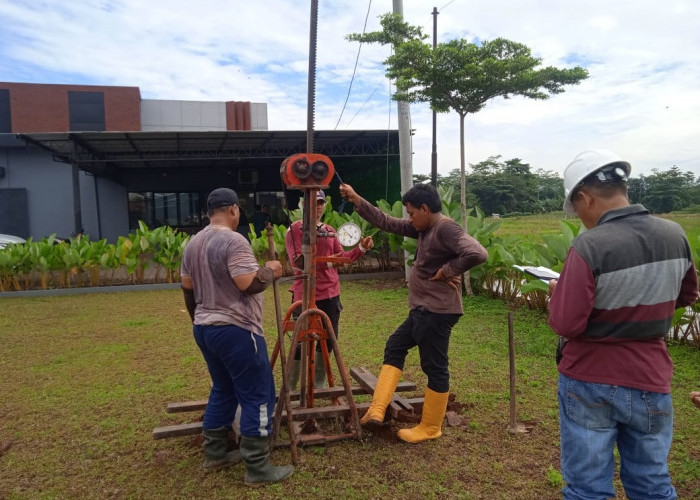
(355, 68)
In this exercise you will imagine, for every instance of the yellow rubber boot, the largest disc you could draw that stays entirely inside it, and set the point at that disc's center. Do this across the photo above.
(430, 426)
(386, 385)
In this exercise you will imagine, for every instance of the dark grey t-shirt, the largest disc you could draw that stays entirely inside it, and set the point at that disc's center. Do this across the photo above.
(212, 258)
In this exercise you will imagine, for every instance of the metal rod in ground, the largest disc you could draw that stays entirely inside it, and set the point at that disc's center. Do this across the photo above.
(511, 356)
(284, 398)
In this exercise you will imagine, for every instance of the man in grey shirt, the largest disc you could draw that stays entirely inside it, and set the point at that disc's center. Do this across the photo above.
(221, 282)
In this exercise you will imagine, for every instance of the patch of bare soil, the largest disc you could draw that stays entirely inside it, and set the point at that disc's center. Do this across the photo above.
(4, 446)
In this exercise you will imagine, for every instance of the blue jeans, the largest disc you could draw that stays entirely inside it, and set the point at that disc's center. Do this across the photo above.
(240, 372)
(593, 417)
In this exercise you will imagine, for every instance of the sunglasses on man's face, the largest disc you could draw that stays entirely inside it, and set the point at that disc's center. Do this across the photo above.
(320, 202)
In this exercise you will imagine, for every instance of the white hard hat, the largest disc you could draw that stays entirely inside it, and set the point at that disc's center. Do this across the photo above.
(587, 163)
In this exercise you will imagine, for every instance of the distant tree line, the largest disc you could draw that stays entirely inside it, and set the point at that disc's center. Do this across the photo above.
(666, 191)
(511, 188)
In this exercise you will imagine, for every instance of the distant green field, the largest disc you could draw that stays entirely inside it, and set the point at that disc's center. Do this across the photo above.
(532, 226)
(691, 225)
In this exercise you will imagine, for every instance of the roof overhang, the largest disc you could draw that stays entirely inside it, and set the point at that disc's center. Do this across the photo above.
(101, 153)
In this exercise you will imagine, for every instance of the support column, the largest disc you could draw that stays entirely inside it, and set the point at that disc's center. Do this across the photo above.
(77, 208)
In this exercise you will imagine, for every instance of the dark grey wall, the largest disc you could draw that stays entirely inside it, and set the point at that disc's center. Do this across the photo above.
(50, 195)
(114, 209)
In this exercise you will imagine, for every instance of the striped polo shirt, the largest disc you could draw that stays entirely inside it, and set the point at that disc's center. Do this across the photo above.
(615, 299)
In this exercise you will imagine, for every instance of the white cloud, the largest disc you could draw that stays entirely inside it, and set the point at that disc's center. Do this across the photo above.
(641, 99)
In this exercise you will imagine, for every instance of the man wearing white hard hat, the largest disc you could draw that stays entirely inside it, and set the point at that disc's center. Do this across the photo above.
(621, 282)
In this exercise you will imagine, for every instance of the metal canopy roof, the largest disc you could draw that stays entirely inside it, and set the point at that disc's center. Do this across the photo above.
(105, 152)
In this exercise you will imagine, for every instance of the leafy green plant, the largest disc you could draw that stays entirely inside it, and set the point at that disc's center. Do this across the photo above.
(44, 259)
(11, 258)
(134, 253)
(109, 260)
(93, 260)
(168, 249)
(554, 477)
(75, 256)
(395, 241)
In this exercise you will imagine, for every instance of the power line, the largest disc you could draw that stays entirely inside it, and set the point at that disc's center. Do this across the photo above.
(363, 104)
(355, 68)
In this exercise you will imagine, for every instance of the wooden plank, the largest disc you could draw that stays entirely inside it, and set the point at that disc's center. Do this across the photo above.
(316, 439)
(177, 430)
(367, 380)
(325, 393)
(406, 387)
(338, 391)
(416, 403)
(321, 412)
(187, 406)
(298, 414)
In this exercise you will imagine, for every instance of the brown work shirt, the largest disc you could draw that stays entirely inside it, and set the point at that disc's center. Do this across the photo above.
(443, 245)
(212, 258)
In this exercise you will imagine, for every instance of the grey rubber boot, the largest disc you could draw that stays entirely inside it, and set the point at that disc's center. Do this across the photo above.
(215, 445)
(319, 372)
(294, 376)
(258, 469)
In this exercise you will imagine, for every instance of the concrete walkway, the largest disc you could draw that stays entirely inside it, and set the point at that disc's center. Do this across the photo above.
(173, 286)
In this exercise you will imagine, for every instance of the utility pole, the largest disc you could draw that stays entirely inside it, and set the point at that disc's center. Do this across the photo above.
(433, 156)
(404, 112)
(405, 148)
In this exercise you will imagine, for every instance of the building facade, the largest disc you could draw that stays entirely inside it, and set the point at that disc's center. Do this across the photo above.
(99, 159)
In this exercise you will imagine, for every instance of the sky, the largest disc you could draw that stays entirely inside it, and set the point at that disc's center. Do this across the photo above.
(641, 100)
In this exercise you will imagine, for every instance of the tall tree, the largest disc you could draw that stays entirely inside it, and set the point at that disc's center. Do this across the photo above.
(550, 191)
(665, 191)
(505, 187)
(463, 76)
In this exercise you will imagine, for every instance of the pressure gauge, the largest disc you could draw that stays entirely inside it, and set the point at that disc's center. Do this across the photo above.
(349, 234)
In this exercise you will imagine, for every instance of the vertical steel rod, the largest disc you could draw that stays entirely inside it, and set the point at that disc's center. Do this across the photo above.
(511, 356)
(311, 90)
(284, 398)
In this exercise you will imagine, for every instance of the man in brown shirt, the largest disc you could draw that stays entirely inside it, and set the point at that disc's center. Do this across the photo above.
(443, 254)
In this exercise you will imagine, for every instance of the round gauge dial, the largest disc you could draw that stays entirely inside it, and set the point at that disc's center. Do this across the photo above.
(349, 234)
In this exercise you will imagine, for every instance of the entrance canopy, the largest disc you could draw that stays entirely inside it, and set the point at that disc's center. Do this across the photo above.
(110, 153)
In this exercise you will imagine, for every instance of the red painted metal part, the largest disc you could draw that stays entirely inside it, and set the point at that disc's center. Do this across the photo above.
(312, 325)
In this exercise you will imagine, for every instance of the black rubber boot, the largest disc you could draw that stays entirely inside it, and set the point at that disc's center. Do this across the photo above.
(215, 445)
(258, 469)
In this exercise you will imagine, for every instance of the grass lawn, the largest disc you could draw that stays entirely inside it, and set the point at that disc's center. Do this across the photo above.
(531, 227)
(86, 378)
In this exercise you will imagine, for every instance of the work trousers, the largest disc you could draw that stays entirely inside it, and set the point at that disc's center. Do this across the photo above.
(431, 333)
(241, 375)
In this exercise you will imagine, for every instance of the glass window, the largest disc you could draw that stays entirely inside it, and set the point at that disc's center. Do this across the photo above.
(160, 210)
(5, 116)
(188, 204)
(177, 210)
(139, 209)
(86, 111)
